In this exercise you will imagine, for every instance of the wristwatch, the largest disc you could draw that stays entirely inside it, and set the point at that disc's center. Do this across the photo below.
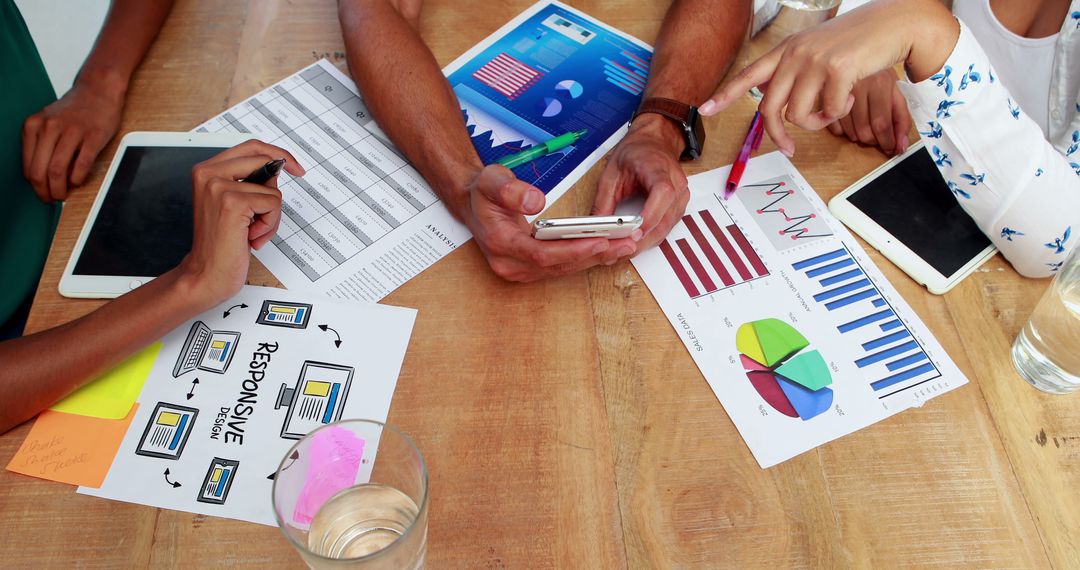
(686, 116)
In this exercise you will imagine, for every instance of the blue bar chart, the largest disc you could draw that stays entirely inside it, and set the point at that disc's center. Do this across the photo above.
(893, 360)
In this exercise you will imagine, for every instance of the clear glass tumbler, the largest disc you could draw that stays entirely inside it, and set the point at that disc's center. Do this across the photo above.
(1047, 350)
(354, 494)
(775, 20)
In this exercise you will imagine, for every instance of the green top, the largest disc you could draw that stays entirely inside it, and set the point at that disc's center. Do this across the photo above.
(26, 224)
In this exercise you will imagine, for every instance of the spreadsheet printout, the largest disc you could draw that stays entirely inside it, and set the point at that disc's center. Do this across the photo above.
(362, 221)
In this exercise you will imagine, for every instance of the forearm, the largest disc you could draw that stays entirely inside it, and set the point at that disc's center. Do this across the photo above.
(42, 368)
(408, 95)
(129, 30)
(696, 44)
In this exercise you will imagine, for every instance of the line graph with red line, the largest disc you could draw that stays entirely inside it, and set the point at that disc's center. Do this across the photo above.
(783, 213)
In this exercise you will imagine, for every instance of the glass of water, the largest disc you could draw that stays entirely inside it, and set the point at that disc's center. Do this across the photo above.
(775, 20)
(1047, 350)
(354, 494)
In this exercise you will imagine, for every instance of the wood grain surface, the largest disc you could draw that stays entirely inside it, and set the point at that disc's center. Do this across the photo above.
(563, 422)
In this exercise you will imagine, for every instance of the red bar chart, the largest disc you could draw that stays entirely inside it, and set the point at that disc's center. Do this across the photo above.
(707, 256)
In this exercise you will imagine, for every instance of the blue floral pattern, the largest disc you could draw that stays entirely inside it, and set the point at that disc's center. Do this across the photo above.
(1008, 233)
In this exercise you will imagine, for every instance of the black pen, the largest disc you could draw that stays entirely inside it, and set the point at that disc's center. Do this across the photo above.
(265, 172)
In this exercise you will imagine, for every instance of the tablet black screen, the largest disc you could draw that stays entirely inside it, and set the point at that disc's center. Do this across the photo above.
(144, 226)
(912, 202)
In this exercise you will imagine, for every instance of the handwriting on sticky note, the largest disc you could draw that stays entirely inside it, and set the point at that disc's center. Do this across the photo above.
(71, 448)
(333, 462)
(112, 394)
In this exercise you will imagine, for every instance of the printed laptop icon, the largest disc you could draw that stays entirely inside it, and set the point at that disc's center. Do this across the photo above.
(317, 399)
(206, 349)
(218, 481)
(167, 431)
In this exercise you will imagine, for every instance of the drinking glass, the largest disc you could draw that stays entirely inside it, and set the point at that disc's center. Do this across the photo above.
(775, 20)
(1047, 350)
(354, 494)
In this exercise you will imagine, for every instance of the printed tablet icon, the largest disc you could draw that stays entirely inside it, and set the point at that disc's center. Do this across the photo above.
(284, 314)
(206, 349)
(317, 399)
(218, 481)
(792, 381)
(167, 431)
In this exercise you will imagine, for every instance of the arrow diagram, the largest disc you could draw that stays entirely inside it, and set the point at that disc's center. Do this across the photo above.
(191, 392)
(175, 484)
(295, 455)
(229, 310)
(337, 342)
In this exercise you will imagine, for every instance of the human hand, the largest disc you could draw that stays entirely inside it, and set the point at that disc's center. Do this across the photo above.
(495, 211)
(61, 141)
(646, 161)
(231, 218)
(808, 78)
(879, 115)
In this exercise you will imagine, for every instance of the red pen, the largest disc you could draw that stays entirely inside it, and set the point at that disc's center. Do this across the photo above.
(749, 145)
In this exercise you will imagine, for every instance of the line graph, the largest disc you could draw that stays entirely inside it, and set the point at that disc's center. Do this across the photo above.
(783, 213)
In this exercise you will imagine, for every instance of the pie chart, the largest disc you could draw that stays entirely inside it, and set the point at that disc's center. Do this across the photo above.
(548, 107)
(569, 89)
(790, 379)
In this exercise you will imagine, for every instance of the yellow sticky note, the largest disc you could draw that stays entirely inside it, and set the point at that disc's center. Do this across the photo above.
(112, 395)
(71, 448)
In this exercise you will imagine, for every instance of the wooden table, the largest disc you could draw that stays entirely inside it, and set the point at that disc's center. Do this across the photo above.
(563, 422)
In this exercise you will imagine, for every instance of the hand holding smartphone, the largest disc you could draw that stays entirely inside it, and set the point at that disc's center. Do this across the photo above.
(610, 227)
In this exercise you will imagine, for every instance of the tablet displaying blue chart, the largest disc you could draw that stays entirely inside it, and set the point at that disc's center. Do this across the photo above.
(554, 73)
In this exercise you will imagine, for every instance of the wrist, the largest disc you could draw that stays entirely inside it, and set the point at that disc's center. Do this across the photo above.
(190, 290)
(108, 83)
(456, 190)
(661, 129)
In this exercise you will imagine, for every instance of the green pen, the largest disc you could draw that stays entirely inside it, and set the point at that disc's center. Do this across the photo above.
(554, 145)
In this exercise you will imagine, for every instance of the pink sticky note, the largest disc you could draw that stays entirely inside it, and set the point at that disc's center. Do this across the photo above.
(333, 462)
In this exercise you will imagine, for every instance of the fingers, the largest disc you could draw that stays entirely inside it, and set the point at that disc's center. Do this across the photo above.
(232, 168)
(60, 163)
(90, 149)
(880, 103)
(848, 126)
(901, 120)
(30, 134)
(757, 73)
(267, 151)
(498, 185)
(771, 106)
(860, 119)
(42, 155)
(835, 128)
(606, 199)
(802, 102)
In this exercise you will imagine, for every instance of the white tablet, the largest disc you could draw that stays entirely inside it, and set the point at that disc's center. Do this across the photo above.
(140, 225)
(907, 212)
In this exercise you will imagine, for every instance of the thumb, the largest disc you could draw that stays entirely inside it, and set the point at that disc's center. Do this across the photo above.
(498, 184)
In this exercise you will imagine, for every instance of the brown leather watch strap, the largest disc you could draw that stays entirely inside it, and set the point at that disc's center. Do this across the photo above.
(670, 108)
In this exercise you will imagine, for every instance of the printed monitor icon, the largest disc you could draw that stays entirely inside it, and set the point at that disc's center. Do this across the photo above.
(206, 349)
(317, 399)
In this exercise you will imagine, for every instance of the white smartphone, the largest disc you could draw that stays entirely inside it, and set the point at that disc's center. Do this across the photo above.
(611, 227)
(905, 210)
(140, 225)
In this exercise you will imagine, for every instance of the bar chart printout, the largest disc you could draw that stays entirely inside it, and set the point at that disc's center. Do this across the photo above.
(711, 256)
(892, 358)
(808, 341)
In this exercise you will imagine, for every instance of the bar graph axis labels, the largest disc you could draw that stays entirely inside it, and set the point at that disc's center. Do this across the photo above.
(713, 256)
(892, 359)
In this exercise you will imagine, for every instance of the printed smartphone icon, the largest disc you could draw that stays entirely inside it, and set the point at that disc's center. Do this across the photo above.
(206, 349)
(284, 314)
(167, 431)
(317, 399)
(218, 481)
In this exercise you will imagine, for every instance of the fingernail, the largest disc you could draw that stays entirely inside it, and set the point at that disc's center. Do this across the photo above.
(788, 152)
(637, 235)
(625, 251)
(611, 261)
(600, 247)
(708, 107)
(904, 143)
(534, 201)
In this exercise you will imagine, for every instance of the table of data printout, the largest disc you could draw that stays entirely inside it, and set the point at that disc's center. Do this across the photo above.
(357, 189)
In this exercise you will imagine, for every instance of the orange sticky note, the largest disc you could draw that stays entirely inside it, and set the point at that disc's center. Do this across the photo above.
(71, 448)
